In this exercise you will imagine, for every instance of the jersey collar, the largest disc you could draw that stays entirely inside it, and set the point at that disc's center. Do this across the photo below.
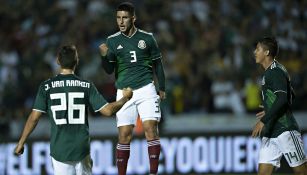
(274, 61)
(136, 29)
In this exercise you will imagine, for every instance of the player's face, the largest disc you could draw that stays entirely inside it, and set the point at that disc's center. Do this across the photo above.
(124, 21)
(259, 53)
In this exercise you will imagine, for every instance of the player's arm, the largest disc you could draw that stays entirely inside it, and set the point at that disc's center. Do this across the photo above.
(257, 130)
(113, 107)
(159, 71)
(106, 56)
(279, 106)
(157, 66)
(29, 127)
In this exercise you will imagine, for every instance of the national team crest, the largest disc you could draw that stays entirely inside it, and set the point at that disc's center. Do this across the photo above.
(142, 44)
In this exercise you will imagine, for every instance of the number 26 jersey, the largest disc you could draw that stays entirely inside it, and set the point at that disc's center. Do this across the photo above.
(66, 99)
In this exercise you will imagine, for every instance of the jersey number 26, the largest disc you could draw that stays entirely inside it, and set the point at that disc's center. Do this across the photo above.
(70, 107)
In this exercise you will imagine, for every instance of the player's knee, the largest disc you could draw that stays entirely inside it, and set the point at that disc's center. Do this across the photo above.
(151, 133)
(124, 137)
(300, 170)
(263, 173)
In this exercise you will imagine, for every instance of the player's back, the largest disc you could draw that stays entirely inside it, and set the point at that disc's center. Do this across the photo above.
(67, 102)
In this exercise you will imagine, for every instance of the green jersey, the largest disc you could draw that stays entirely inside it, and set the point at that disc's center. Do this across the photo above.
(133, 56)
(277, 80)
(66, 98)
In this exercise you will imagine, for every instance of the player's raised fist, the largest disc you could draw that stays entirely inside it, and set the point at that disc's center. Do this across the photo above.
(127, 92)
(103, 48)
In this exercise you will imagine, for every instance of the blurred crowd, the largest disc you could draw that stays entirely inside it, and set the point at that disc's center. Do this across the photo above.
(207, 48)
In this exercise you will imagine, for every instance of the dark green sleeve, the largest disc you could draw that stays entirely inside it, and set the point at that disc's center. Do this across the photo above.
(278, 108)
(159, 71)
(154, 49)
(107, 65)
(96, 100)
(40, 102)
(278, 80)
(278, 84)
(108, 61)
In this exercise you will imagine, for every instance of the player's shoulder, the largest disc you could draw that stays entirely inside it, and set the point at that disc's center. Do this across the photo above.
(276, 66)
(147, 36)
(49, 80)
(145, 32)
(43, 83)
(76, 77)
(277, 69)
(114, 35)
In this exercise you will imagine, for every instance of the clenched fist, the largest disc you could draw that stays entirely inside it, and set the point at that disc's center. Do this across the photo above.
(127, 92)
(103, 48)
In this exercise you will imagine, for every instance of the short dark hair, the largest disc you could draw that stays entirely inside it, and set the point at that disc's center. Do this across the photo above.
(270, 44)
(68, 57)
(126, 6)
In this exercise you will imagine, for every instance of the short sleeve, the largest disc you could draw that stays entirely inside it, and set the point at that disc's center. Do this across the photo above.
(111, 53)
(154, 49)
(40, 103)
(96, 100)
(277, 81)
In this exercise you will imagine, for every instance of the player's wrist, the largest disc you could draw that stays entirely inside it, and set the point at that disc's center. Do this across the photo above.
(20, 143)
(125, 99)
(103, 56)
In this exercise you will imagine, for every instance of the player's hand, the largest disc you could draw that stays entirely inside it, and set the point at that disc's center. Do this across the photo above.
(257, 129)
(261, 114)
(162, 95)
(127, 92)
(19, 149)
(103, 48)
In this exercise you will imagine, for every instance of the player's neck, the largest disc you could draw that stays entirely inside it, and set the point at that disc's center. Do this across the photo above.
(131, 31)
(66, 71)
(267, 63)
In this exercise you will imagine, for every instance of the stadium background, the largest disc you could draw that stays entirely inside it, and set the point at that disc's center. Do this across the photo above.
(208, 57)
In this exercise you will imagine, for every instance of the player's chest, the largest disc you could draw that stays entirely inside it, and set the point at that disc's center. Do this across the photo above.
(131, 49)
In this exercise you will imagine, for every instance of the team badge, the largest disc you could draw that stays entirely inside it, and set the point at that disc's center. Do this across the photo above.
(142, 44)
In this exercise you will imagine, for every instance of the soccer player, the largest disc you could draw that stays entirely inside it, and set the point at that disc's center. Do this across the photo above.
(277, 126)
(134, 56)
(66, 98)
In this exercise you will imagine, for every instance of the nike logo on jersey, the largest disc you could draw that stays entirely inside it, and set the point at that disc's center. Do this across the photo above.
(119, 47)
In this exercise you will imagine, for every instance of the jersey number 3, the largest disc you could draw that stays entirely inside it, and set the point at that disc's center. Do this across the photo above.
(80, 119)
(133, 56)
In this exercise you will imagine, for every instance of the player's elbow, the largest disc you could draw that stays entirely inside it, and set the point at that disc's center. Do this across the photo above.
(106, 111)
(107, 66)
(283, 99)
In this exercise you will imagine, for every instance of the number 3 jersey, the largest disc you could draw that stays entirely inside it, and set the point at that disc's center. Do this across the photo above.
(66, 98)
(133, 56)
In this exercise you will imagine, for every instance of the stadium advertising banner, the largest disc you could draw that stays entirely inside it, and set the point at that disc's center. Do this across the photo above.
(180, 155)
